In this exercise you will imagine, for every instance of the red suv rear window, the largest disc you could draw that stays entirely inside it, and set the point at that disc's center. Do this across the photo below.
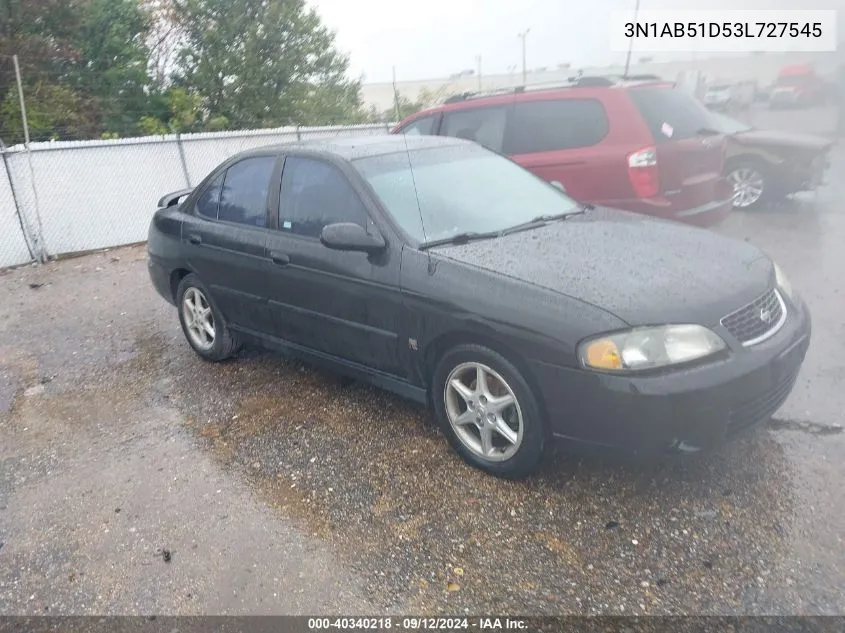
(671, 113)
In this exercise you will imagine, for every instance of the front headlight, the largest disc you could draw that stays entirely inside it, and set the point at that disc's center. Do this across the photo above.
(649, 348)
(783, 282)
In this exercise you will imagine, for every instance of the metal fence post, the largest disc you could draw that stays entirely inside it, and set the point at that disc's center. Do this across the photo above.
(183, 160)
(27, 237)
(298, 135)
(40, 250)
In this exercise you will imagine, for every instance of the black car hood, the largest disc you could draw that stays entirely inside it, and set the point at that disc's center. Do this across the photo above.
(785, 140)
(642, 270)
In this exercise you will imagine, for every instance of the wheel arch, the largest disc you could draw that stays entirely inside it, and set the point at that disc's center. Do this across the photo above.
(747, 157)
(176, 277)
(438, 346)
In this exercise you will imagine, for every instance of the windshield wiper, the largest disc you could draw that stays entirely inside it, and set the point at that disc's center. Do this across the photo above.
(460, 238)
(542, 220)
(582, 208)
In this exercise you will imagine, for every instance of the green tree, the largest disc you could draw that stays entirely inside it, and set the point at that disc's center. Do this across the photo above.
(113, 60)
(177, 110)
(162, 40)
(83, 66)
(40, 33)
(406, 107)
(266, 64)
(55, 112)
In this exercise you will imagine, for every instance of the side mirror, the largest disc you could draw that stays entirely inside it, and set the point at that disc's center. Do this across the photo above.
(347, 236)
(558, 185)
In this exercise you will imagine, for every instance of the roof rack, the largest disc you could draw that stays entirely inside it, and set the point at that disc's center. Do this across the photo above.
(463, 96)
(597, 81)
(584, 81)
(644, 77)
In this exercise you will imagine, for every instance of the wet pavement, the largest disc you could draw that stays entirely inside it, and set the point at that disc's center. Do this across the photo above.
(135, 478)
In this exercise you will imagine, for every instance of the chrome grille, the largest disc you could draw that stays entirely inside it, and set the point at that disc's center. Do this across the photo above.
(758, 320)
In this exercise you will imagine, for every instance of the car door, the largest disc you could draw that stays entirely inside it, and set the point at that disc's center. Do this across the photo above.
(225, 238)
(559, 140)
(345, 304)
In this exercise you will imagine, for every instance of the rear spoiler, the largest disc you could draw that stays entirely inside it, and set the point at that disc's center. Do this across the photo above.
(173, 198)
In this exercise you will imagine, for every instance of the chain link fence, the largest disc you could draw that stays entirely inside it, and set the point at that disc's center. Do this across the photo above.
(68, 197)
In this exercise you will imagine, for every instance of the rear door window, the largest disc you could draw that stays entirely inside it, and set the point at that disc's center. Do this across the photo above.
(245, 188)
(671, 114)
(209, 200)
(485, 126)
(553, 125)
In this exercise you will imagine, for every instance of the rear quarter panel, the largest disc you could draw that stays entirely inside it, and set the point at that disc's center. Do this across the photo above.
(164, 240)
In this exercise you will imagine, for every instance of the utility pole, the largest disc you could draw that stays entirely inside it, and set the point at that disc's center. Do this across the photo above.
(478, 60)
(631, 39)
(522, 36)
(396, 98)
(840, 85)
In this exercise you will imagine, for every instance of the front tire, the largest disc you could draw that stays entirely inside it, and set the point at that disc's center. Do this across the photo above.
(487, 411)
(202, 324)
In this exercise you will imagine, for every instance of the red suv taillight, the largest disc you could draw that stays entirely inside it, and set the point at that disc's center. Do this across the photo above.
(642, 172)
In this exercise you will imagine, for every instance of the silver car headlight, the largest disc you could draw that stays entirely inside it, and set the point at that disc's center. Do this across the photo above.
(783, 282)
(649, 348)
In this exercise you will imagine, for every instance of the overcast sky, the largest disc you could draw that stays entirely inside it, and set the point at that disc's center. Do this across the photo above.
(435, 38)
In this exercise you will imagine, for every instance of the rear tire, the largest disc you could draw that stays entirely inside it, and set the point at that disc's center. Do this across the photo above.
(487, 411)
(751, 182)
(202, 324)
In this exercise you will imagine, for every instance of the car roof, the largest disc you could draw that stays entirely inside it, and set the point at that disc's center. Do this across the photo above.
(353, 148)
(588, 86)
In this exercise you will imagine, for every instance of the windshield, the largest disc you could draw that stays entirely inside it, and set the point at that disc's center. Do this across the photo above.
(459, 189)
(728, 125)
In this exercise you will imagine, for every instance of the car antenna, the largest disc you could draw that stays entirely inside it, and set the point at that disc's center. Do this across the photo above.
(414, 183)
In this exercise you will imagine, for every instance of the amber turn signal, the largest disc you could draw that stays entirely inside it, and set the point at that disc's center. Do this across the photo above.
(603, 354)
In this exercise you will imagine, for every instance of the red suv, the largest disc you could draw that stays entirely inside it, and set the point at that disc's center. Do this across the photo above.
(642, 146)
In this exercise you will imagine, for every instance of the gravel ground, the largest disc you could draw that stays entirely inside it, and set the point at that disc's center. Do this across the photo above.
(138, 479)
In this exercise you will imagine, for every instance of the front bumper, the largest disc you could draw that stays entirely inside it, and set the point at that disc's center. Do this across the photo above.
(684, 410)
(805, 177)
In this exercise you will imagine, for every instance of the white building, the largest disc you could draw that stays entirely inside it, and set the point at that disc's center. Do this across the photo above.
(762, 67)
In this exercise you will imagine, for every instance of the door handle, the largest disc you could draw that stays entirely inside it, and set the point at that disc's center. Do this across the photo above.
(279, 259)
(194, 239)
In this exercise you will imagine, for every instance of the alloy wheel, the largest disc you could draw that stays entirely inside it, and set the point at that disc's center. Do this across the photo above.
(748, 186)
(198, 318)
(483, 411)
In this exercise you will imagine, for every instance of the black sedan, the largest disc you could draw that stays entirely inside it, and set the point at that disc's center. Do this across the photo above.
(448, 274)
